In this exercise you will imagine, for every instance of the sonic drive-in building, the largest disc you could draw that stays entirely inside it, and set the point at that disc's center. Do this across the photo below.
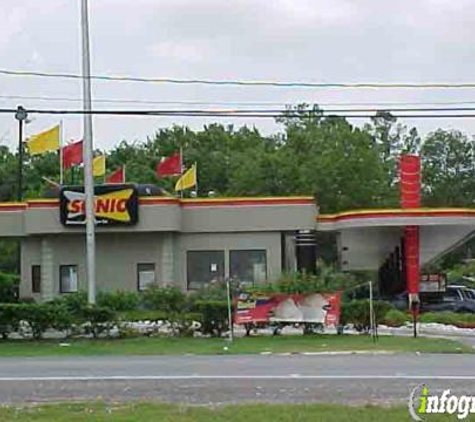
(144, 240)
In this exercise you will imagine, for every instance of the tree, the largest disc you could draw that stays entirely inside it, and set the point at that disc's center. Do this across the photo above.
(335, 161)
(448, 169)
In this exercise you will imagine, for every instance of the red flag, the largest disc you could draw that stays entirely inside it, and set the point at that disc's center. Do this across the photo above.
(72, 155)
(117, 177)
(170, 166)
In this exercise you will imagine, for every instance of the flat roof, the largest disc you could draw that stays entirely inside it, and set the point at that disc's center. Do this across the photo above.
(162, 213)
(380, 217)
(184, 202)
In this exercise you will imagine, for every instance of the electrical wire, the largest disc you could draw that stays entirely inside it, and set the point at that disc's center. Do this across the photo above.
(233, 113)
(235, 103)
(247, 83)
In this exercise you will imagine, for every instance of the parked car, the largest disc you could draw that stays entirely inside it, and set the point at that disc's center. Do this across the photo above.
(455, 299)
(460, 292)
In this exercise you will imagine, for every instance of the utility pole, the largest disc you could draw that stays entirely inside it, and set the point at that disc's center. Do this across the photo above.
(87, 153)
(21, 115)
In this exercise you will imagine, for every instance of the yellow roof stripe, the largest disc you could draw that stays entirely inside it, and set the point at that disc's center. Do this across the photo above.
(432, 210)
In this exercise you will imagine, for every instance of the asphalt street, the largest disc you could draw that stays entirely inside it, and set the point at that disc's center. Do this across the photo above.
(229, 379)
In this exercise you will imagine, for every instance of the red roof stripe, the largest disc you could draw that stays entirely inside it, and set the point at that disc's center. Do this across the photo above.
(12, 207)
(199, 202)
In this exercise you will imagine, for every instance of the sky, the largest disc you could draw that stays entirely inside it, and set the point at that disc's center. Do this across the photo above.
(281, 40)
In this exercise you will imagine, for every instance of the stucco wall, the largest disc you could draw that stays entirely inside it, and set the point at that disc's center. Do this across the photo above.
(117, 257)
(119, 253)
(231, 241)
(366, 248)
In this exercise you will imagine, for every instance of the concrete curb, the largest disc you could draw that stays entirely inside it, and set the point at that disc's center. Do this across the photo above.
(336, 353)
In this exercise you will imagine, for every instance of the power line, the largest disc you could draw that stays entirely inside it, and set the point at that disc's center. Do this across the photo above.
(235, 103)
(233, 114)
(248, 83)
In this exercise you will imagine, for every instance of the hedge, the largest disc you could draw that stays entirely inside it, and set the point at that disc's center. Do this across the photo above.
(357, 313)
(449, 318)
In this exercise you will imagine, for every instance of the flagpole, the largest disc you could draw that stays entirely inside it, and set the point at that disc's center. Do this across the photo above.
(181, 169)
(123, 174)
(61, 157)
(196, 178)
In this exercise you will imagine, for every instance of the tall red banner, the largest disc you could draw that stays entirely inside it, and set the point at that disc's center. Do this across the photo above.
(411, 246)
(410, 186)
(410, 181)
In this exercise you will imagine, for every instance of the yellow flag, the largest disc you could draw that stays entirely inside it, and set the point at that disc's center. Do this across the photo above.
(99, 166)
(188, 180)
(44, 141)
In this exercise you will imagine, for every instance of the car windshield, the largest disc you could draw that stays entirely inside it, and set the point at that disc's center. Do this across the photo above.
(469, 294)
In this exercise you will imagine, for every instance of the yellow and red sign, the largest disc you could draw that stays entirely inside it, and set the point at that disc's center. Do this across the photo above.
(113, 205)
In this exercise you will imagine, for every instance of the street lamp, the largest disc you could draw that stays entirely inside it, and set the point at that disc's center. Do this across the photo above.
(21, 115)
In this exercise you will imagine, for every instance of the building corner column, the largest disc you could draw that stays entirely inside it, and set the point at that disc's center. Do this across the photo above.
(47, 271)
(168, 260)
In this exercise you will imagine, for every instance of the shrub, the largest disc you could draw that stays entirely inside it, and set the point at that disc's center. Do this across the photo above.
(40, 317)
(166, 299)
(396, 318)
(182, 325)
(213, 291)
(357, 313)
(449, 318)
(214, 316)
(8, 287)
(326, 279)
(140, 315)
(98, 320)
(9, 319)
(119, 301)
(73, 302)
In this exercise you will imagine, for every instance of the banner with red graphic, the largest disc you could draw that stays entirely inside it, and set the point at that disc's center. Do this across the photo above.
(323, 308)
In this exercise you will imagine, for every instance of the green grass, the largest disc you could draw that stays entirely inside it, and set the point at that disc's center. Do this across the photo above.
(205, 346)
(145, 412)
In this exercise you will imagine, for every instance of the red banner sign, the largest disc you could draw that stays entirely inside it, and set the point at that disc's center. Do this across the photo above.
(323, 308)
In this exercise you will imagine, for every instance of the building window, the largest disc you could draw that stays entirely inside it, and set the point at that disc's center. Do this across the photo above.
(145, 275)
(68, 278)
(203, 267)
(36, 278)
(249, 266)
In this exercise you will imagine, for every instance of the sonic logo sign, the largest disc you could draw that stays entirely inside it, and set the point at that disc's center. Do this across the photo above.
(113, 205)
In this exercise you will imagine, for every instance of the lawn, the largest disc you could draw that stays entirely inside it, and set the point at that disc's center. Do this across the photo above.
(210, 346)
(144, 412)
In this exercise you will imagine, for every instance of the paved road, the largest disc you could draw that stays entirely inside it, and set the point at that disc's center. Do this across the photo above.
(224, 379)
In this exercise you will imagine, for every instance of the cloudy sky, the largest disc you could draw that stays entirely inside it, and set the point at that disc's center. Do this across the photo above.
(283, 40)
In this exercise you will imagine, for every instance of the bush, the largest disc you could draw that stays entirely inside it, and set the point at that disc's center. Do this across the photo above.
(98, 320)
(357, 313)
(139, 315)
(118, 301)
(73, 302)
(396, 318)
(182, 324)
(449, 318)
(214, 316)
(214, 291)
(8, 287)
(167, 299)
(9, 319)
(326, 279)
(41, 317)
